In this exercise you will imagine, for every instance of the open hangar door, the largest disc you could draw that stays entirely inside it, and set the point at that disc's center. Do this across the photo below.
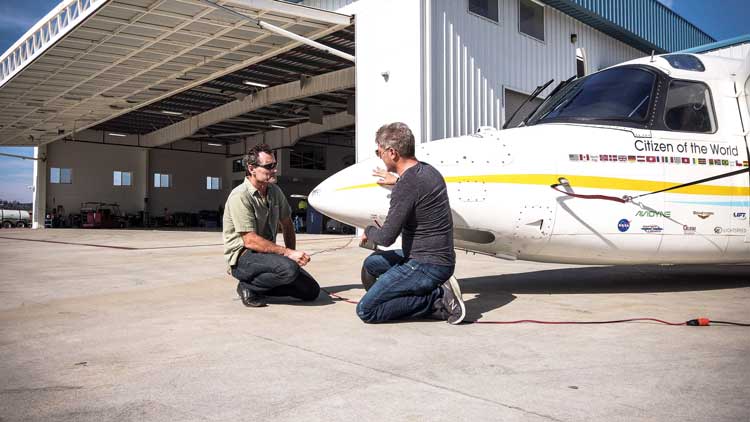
(181, 152)
(124, 100)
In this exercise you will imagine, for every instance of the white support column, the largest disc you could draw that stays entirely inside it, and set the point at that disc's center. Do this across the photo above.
(145, 185)
(40, 187)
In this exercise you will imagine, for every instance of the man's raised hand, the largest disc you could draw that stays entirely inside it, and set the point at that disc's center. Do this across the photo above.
(386, 177)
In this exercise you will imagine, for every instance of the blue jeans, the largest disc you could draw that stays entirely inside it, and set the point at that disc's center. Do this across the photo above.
(404, 289)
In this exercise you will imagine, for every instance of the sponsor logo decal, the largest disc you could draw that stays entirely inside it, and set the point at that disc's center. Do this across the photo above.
(652, 228)
(666, 214)
(740, 215)
(703, 214)
(730, 230)
(623, 225)
(688, 229)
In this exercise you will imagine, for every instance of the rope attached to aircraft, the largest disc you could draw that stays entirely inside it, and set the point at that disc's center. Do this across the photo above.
(625, 199)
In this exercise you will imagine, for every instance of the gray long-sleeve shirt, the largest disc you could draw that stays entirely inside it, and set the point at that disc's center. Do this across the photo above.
(421, 214)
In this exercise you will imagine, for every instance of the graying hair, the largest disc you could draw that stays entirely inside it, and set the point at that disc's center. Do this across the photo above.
(253, 154)
(398, 136)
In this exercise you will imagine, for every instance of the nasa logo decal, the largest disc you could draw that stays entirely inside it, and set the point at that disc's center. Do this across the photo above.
(623, 225)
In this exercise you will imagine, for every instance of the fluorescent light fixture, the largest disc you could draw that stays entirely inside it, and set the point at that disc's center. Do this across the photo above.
(120, 135)
(213, 144)
(172, 113)
(258, 84)
(278, 126)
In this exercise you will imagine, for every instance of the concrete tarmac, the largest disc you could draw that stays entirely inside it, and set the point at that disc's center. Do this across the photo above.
(129, 325)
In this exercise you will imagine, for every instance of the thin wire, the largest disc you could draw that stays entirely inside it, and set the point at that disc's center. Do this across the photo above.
(336, 248)
(340, 298)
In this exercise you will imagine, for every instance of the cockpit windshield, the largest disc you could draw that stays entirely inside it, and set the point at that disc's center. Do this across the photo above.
(622, 94)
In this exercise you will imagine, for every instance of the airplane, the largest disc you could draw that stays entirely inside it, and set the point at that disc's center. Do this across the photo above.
(645, 162)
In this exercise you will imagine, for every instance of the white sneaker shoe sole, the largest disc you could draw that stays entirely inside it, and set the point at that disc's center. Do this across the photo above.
(457, 293)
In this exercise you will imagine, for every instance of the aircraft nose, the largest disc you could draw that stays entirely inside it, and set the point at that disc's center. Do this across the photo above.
(317, 199)
(324, 197)
(351, 195)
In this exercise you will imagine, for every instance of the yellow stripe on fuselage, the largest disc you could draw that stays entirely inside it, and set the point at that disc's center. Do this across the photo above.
(613, 183)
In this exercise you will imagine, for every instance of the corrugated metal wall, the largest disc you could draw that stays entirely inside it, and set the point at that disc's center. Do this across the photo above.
(474, 59)
(645, 19)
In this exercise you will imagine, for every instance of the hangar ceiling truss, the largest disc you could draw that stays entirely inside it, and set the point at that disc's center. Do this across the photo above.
(117, 56)
(287, 100)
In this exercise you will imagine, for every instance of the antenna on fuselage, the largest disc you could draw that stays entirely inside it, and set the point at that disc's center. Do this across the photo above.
(652, 56)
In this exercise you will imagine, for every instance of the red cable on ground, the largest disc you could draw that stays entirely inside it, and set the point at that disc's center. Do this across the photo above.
(534, 321)
(698, 322)
(340, 298)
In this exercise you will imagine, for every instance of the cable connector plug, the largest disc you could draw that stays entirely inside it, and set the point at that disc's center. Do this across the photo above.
(699, 322)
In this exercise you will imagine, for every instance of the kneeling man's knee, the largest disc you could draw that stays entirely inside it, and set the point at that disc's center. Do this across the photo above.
(288, 270)
(310, 292)
(365, 313)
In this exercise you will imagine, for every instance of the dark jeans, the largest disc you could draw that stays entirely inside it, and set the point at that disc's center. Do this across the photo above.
(274, 275)
(404, 289)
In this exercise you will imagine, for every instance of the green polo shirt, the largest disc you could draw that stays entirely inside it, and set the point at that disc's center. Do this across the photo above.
(247, 211)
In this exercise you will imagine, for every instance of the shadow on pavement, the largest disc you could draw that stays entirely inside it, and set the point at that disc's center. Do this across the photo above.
(494, 292)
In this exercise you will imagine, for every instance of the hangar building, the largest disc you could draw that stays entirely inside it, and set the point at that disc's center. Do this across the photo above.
(151, 103)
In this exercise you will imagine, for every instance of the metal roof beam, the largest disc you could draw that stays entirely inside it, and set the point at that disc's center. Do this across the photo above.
(289, 136)
(333, 81)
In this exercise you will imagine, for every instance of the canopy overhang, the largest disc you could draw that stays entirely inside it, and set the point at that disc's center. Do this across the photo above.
(89, 61)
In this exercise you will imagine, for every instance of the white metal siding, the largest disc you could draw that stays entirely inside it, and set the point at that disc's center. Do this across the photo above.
(331, 5)
(473, 59)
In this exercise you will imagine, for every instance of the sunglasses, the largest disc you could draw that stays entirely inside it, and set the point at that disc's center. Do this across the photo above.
(377, 152)
(269, 166)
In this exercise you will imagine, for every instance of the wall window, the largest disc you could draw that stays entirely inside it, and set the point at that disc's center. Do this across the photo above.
(513, 101)
(237, 166)
(213, 183)
(308, 157)
(531, 19)
(485, 8)
(122, 178)
(162, 180)
(689, 108)
(60, 175)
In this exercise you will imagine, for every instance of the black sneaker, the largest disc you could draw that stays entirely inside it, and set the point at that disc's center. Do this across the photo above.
(250, 299)
(453, 308)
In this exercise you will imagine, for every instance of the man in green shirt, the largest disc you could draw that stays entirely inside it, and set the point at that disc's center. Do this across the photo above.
(252, 215)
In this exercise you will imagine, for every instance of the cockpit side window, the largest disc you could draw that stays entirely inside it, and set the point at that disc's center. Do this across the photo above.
(622, 95)
(689, 107)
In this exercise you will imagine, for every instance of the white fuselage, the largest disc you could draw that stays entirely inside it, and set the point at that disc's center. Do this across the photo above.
(503, 205)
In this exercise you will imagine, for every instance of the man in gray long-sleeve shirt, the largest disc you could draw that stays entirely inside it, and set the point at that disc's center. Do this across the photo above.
(417, 281)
